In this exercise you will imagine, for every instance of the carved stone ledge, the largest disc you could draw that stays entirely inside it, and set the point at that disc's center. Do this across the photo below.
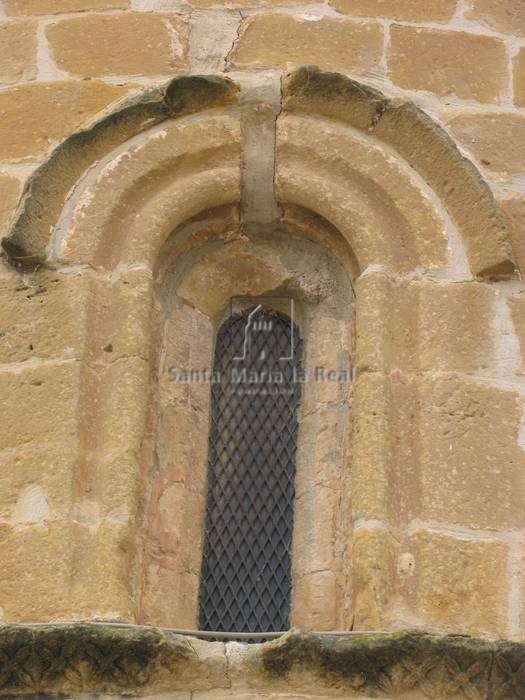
(87, 658)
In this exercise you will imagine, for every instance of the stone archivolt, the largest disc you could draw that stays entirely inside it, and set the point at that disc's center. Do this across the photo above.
(146, 201)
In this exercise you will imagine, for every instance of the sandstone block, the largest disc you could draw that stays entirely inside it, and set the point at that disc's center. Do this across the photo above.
(456, 326)
(496, 141)
(46, 467)
(17, 51)
(423, 325)
(471, 463)
(120, 317)
(39, 404)
(42, 315)
(39, 115)
(519, 78)
(370, 448)
(54, 7)
(387, 330)
(448, 63)
(170, 597)
(315, 601)
(35, 565)
(373, 578)
(461, 584)
(9, 192)
(284, 40)
(514, 212)
(517, 310)
(106, 552)
(97, 45)
(507, 16)
(413, 11)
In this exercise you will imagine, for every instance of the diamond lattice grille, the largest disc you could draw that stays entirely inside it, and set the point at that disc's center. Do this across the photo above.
(246, 569)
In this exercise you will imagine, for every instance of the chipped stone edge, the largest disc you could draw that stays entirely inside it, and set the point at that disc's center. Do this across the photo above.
(99, 658)
(48, 187)
(425, 145)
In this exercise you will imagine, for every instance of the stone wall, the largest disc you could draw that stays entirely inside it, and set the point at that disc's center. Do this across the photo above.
(435, 534)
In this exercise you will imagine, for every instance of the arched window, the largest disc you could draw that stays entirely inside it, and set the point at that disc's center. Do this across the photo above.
(246, 567)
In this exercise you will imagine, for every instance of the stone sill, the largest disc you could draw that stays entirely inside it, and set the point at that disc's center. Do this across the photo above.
(97, 658)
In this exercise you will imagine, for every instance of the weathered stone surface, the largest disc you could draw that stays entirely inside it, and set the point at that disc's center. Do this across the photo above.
(316, 603)
(449, 63)
(517, 310)
(413, 11)
(41, 591)
(465, 428)
(284, 40)
(455, 326)
(461, 583)
(46, 191)
(17, 51)
(47, 467)
(373, 578)
(495, 140)
(38, 115)
(229, 271)
(519, 78)
(39, 404)
(385, 665)
(514, 212)
(97, 659)
(506, 16)
(9, 192)
(422, 143)
(54, 7)
(98, 45)
(423, 325)
(42, 315)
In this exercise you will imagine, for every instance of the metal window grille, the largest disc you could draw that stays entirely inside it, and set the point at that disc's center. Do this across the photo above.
(246, 567)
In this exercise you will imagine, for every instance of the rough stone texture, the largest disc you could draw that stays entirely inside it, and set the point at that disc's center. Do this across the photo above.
(87, 658)
(495, 140)
(424, 145)
(413, 11)
(448, 63)
(517, 310)
(25, 413)
(422, 325)
(46, 580)
(459, 583)
(464, 430)
(9, 192)
(506, 16)
(373, 573)
(514, 211)
(37, 116)
(17, 51)
(284, 40)
(99, 45)
(52, 7)
(42, 316)
(46, 190)
(99, 659)
(519, 78)
(48, 466)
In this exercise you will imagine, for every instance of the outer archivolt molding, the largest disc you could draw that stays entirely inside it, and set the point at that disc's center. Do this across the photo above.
(398, 123)
(47, 189)
(424, 145)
